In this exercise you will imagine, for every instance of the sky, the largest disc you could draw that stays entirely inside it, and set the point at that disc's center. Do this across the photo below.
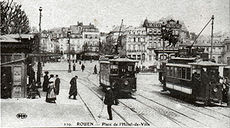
(106, 13)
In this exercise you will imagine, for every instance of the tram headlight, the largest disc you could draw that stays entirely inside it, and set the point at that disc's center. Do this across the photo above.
(215, 89)
(126, 82)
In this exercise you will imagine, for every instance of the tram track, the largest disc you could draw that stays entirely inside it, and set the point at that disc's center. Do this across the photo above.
(88, 108)
(178, 112)
(141, 116)
(172, 110)
(190, 106)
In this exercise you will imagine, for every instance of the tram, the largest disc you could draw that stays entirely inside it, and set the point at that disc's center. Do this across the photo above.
(195, 78)
(118, 73)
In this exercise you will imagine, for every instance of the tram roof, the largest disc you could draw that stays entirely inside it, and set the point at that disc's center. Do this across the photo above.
(123, 60)
(183, 58)
(206, 63)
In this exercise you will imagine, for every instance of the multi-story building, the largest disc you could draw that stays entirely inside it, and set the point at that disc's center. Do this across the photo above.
(84, 39)
(135, 43)
(159, 48)
(226, 52)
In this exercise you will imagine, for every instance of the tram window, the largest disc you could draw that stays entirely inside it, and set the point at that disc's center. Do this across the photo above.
(130, 68)
(183, 73)
(167, 71)
(179, 72)
(170, 71)
(175, 71)
(188, 73)
(114, 69)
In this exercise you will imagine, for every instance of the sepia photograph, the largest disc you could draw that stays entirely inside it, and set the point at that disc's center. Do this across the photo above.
(115, 63)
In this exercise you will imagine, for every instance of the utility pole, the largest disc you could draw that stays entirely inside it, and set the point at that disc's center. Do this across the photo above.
(39, 71)
(212, 37)
(68, 35)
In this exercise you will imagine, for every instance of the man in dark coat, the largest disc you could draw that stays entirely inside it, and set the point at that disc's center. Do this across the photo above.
(95, 69)
(82, 67)
(46, 82)
(57, 85)
(109, 101)
(73, 87)
(74, 67)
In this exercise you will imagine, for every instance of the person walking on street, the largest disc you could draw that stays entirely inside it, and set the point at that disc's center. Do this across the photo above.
(73, 87)
(45, 82)
(95, 69)
(74, 67)
(57, 85)
(82, 67)
(115, 89)
(51, 96)
(109, 101)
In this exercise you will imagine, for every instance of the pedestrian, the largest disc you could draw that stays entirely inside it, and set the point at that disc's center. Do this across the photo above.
(109, 101)
(73, 87)
(137, 69)
(51, 96)
(74, 67)
(82, 67)
(79, 62)
(57, 85)
(95, 69)
(45, 82)
(115, 89)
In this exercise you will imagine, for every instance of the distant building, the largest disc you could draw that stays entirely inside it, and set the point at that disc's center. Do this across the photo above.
(84, 41)
(226, 52)
(217, 50)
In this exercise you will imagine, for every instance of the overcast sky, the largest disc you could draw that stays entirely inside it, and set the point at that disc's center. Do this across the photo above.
(106, 13)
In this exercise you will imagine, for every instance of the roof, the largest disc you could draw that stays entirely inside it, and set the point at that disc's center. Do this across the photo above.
(200, 44)
(8, 39)
(23, 36)
(123, 60)
(180, 58)
(206, 63)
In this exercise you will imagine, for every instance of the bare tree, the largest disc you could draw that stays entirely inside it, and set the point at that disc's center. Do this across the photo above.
(13, 18)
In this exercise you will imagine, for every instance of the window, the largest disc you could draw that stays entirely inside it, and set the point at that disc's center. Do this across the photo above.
(114, 69)
(134, 39)
(130, 68)
(188, 72)
(167, 73)
(170, 71)
(175, 71)
(150, 57)
(183, 73)
(179, 72)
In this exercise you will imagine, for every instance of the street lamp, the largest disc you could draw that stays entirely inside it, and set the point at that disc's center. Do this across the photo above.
(39, 56)
(68, 35)
(163, 33)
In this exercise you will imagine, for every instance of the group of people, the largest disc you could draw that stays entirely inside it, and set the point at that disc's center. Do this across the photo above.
(51, 85)
(82, 66)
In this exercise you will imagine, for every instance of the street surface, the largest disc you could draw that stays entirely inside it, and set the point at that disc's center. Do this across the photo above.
(148, 108)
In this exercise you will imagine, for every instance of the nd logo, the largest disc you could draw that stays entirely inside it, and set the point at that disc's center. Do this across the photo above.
(21, 115)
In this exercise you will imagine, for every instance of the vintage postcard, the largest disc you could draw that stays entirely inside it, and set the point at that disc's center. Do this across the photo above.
(115, 63)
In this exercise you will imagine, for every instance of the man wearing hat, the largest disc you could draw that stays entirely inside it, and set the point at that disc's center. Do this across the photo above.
(109, 101)
(73, 87)
(46, 81)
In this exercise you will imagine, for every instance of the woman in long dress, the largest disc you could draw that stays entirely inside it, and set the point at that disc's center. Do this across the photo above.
(51, 96)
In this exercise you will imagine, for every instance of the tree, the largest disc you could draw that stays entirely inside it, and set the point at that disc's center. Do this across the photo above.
(13, 18)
